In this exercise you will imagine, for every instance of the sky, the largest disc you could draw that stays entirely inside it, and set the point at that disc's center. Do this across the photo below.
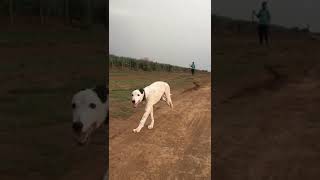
(289, 13)
(174, 32)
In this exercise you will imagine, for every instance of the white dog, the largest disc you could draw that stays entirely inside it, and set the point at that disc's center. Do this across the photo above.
(152, 94)
(90, 110)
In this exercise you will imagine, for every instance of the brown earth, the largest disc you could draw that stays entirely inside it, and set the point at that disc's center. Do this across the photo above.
(179, 145)
(266, 124)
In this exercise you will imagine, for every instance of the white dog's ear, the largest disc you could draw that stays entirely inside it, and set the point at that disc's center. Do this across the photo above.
(101, 92)
(141, 91)
(106, 120)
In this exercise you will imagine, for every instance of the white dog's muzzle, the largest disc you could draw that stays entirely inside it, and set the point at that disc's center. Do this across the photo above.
(89, 112)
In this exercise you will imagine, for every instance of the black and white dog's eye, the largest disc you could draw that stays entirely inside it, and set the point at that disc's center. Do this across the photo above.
(73, 105)
(138, 94)
(132, 95)
(92, 105)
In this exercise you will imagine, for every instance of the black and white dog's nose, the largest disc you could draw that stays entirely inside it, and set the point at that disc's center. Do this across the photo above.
(77, 126)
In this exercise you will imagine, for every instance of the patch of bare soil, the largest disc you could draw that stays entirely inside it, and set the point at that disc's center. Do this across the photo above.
(272, 133)
(178, 147)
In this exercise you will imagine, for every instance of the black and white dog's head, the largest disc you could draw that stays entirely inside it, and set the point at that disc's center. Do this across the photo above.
(137, 97)
(90, 110)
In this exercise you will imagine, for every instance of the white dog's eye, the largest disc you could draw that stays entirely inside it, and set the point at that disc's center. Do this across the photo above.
(73, 105)
(92, 106)
(138, 94)
(131, 94)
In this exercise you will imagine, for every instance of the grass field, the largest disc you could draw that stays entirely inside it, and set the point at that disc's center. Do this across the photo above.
(40, 71)
(122, 83)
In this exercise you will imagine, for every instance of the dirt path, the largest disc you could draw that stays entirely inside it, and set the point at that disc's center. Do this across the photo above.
(267, 119)
(271, 135)
(179, 146)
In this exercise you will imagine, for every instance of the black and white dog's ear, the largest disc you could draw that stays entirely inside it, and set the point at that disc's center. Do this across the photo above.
(101, 92)
(141, 91)
(106, 120)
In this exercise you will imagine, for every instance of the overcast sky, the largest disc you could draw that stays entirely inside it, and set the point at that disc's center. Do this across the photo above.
(284, 12)
(169, 31)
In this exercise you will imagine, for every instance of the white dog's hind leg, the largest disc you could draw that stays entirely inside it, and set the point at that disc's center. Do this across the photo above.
(143, 119)
(164, 98)
(152, 120)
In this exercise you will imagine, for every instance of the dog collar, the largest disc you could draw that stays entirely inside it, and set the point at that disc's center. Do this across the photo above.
(144, 95)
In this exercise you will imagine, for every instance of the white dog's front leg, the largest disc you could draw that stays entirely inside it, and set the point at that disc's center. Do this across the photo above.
(143, 120)
(152, 120)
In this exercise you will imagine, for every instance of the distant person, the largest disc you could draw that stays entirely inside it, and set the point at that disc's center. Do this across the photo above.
(193, 67)
(264, 18)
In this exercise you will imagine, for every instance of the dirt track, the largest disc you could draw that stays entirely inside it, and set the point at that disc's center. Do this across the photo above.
(270, 136)
(178, 147)
(267, 124)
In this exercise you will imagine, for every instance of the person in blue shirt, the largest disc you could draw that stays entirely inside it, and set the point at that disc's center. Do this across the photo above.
(264, 18)
(193, 67)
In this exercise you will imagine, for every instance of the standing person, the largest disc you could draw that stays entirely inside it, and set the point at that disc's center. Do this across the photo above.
(264, 18)
(193, 67)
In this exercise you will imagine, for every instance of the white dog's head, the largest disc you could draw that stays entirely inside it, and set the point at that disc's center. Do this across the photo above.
(90, 110)
(138, 96)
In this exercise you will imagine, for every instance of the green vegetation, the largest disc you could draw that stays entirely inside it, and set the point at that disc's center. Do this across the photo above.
(86, 12)
(144, 65)
(119, 62)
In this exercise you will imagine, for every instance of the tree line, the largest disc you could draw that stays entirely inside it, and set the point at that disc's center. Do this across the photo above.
(86, 12)
(127, 63)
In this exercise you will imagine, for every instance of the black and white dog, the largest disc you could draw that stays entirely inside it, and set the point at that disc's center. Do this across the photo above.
(152, 94)
(90, 110)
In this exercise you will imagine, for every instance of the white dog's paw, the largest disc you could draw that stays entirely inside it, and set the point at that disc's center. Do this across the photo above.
(150, 126)
(136, 130)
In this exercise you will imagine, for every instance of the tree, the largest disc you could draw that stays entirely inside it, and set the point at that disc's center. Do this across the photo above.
(89, 13)
(11, 11)
(107, 13)
(66, 11)
(41, 11)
